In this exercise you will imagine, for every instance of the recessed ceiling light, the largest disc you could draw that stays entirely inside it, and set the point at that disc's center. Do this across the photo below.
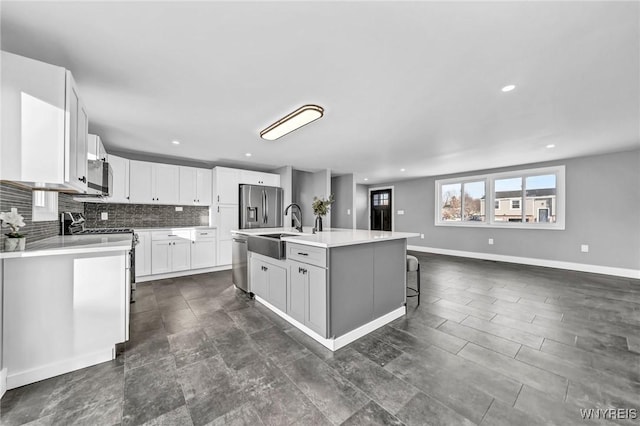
(366, 179)
(298, 118)
(175, 142)
(402, 170)
(248, 154)
(508, 88)
(551, 145)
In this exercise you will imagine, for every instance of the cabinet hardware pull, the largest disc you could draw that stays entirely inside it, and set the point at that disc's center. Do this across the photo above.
(303, 254)
(127, 197)
(218, 199)
(83, 179)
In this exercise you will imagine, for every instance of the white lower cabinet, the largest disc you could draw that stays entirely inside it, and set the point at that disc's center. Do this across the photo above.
(226, 220)
(143, 254)
(307, 301)
(170, 251)
(269, 281)
(203, 249)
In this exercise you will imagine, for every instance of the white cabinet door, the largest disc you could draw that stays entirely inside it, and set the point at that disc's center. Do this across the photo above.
(75, 161)
(166, 178)
(227, 181)
(161, 257)
(81, 146)
(297, 299)
(227, 221)
(316, 318)
(270, 179)
(188, 186)
(180, 255)
(258, 278)
(203, 185)
(143, 254)
(224, 252)
(259, 178)
(203, 254)
(141, 182)
(277, 286)
(120, 189)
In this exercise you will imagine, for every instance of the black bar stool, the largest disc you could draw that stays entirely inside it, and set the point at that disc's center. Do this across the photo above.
(414, 266)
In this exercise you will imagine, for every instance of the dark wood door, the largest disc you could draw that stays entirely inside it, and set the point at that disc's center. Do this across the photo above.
(381, 213)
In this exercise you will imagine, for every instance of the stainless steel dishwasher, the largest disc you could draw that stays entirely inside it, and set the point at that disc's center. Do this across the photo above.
(239, 266)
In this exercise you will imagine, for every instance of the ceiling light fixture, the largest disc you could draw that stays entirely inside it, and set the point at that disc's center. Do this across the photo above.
(298, 118)
(248, 154)
(551, 145)
(175, 142)
(403, 170)
(366, 179)
(508, 88)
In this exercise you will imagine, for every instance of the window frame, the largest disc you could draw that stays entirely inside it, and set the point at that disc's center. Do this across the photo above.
(490, 200)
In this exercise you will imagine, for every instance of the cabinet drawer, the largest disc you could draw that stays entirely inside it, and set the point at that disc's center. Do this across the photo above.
(307, 254)
(204, 234)
(171, 234)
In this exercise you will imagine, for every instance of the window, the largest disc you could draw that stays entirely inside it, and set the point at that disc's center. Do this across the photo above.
(381, 199)
(521, 199)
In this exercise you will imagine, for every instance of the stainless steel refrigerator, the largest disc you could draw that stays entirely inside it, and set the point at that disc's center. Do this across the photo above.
(260, 206)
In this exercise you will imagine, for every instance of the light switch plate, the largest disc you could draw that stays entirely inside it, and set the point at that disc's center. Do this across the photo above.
(104, 216)
(490, 241)
(178, 208)
(400, 212)
(349, 212)
(584, 248)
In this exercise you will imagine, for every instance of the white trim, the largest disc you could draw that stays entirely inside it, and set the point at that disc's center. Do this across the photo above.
(42, 372)
(393, 204)
(345, 339)
(547, 263)
(146, 278)
(3, 382)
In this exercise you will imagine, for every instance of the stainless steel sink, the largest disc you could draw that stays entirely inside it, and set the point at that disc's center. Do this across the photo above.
(270, 245)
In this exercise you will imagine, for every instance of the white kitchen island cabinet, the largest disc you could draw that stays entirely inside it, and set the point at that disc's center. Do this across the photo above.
(65, 306)
(340, 284)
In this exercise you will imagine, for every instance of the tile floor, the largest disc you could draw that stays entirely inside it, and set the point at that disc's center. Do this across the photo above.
(490, 344)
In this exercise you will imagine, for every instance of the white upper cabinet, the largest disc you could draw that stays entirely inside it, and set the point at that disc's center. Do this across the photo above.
(44, 126)
(259, 178)
(95, 148)
(226, 185)
(153, 183)
(120, 187)
(195, 186)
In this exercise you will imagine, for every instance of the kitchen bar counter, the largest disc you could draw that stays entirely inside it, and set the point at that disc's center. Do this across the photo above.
(164, 228)
(333, 237)
(72, 244)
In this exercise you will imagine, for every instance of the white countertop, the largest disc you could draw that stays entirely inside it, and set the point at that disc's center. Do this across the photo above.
(73, 244)
(334, 237)
(164, 228)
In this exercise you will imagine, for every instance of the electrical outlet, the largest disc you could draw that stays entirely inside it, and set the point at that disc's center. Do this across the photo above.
(349, 212)
(178, 208)
(400, 212)
(422, 236)
(490, 241)
(104, 216)
(584, 248)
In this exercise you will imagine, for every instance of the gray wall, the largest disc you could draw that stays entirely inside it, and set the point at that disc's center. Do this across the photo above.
(361, 201)
(342, 211)
(306, 185)
(286, 183)
(602, 210)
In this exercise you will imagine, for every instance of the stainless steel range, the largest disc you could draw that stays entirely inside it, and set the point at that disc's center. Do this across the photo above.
(73, 224)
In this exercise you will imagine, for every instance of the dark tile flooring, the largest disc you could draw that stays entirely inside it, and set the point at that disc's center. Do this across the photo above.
(490, 344)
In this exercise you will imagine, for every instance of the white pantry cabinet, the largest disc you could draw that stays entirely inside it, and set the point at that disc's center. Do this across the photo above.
(195, 186)
(153, 183)
(225, 185)
(44, 126)
(120, 188)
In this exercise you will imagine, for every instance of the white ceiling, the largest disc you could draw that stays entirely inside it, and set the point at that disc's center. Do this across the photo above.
(412, 85)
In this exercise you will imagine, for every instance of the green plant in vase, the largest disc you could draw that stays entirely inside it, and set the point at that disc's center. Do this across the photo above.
(320, 208)
(15, 240)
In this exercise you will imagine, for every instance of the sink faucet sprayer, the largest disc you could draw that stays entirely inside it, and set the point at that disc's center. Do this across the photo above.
(298, 221)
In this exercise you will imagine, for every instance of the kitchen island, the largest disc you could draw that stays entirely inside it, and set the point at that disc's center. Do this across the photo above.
(66, 305)
(336, 286)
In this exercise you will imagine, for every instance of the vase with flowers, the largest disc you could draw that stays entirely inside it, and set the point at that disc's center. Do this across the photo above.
(15, 240)
(320, 208)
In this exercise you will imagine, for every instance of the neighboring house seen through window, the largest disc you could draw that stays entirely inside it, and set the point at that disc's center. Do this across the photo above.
(531, 198)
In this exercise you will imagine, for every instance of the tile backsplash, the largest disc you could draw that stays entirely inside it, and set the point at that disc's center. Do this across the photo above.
(144, 216)
(21, 198)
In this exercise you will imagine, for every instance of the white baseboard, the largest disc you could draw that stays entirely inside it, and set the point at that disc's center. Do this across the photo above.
(42, 372)
(570, 266)
(146, 278)
(345, 339)
(3, 382)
